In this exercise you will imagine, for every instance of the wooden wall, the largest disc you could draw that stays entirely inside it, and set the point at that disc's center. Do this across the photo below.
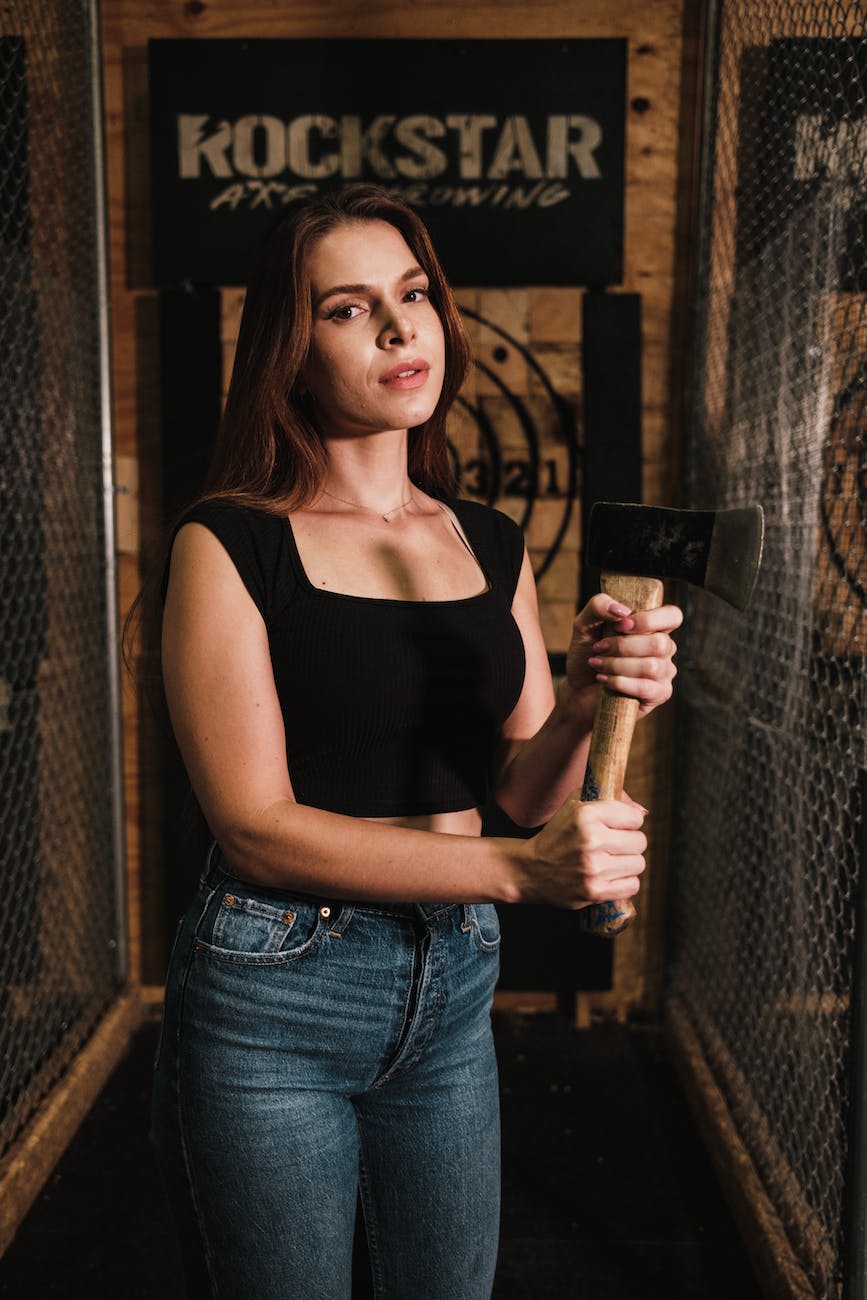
(661, 72)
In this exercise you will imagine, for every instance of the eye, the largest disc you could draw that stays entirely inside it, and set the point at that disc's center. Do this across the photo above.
(346, 311)
(418, 294)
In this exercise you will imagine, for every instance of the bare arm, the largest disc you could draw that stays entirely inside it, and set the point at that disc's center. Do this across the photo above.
(226, 716)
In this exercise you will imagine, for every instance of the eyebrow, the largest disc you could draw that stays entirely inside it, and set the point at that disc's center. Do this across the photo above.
(413, 273)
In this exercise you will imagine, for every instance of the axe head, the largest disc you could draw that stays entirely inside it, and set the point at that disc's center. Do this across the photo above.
(719, 550)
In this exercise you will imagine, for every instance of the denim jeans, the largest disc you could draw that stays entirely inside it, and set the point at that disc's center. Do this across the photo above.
(311, 1049)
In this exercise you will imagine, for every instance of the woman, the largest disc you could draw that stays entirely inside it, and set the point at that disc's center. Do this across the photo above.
(350, 659)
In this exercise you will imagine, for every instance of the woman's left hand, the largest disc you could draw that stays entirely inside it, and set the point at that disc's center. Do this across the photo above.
(636, 658)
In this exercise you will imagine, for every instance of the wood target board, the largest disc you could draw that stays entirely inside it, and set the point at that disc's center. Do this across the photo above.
(513, 444)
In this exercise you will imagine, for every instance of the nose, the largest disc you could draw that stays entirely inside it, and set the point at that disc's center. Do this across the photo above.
(397, 328)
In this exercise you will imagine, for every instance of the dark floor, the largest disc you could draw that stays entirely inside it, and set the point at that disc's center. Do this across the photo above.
(608, 1192)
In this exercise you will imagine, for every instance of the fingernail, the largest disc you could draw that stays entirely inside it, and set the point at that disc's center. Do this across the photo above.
(594, 662)
(601, 645)
(618, 610)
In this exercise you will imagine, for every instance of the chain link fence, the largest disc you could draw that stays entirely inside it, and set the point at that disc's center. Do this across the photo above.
(61, 943)
(772, 740)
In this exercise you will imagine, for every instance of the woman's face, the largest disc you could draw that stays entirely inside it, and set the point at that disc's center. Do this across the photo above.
(377, 353)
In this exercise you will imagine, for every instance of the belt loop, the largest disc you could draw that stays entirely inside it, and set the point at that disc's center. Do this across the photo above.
(467, 910)
(203, 879)
(205, 885)
(343, 919)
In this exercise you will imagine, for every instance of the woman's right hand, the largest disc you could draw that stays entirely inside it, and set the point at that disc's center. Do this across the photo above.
(587, 853)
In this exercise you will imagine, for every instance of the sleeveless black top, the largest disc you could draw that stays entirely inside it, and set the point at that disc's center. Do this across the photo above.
(391, 707)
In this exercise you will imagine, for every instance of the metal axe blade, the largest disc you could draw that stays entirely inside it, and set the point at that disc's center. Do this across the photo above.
(719, 550)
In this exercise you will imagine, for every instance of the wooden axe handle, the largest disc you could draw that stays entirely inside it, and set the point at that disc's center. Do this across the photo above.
(613, 726)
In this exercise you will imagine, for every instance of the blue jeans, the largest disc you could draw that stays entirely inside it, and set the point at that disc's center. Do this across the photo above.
(310, 1049)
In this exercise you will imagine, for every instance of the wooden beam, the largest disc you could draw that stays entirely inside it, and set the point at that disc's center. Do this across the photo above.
(30, 1161)
(780, 1273)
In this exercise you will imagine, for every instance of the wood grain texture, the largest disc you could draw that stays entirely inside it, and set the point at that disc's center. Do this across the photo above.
(613, 727)
(719, 1114)
(35, 1152)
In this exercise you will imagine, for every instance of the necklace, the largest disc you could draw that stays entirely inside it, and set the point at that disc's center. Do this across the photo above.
(369, 509)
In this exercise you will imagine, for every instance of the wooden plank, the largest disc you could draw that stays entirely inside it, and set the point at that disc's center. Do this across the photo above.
(30, 1160)
(780, 1272)
(128, 22)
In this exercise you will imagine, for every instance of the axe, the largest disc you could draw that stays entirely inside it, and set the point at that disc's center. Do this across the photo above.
(635, 547)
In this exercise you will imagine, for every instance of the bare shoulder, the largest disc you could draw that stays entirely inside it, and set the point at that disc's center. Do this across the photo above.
(194, 545)
(214, 640)
(219, 683)
(202, 572)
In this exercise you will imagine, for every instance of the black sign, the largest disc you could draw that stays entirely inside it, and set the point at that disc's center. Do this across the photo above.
(512, 151)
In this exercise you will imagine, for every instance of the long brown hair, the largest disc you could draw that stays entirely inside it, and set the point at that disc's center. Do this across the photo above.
(269, 454)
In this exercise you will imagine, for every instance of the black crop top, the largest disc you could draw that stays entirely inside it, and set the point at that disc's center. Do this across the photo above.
(391, 707)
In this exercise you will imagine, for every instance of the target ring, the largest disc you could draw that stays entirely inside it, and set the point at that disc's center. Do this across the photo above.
(529, 477)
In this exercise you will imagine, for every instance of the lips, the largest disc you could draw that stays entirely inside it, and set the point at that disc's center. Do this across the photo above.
(406, 374)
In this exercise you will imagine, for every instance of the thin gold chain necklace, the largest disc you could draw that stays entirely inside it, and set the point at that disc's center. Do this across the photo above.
(369, 509)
